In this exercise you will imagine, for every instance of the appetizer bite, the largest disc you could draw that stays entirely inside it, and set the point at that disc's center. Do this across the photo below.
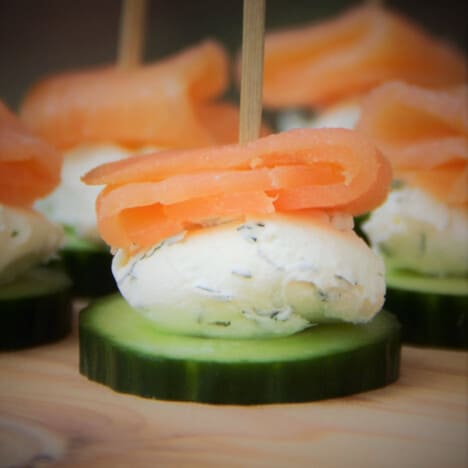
(34, 299)
(101, 115)
(242, 279)
(422, 229)
(315, 75)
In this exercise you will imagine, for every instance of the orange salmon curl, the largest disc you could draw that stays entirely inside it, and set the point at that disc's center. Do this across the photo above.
(29, 167)
(154, 196)
(424, 134)
(322, 63)
(172, 103)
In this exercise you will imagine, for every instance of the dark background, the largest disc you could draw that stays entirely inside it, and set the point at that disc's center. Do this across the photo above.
(38, 37)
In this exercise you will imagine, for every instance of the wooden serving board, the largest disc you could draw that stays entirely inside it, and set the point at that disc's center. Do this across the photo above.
(50, 415)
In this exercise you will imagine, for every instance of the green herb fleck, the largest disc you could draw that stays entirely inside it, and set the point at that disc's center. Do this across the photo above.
(422, 243)
(220, 323)
(242, 274)
(342, 278)
(206, 288)
(397, 184)
(151, 252)
(69, 230)
(14, 233)
(385, 249)
(323, 295)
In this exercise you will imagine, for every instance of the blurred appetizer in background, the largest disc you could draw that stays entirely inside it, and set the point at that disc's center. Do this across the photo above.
(101, 115)
(422, 229)
(34, 299)
(316, 74)
(242, 277)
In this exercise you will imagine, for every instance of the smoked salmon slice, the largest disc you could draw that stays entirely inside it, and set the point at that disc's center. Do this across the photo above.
(424, 134)
(29, 168)
(158, 195)
(320, 64)
(171, 103)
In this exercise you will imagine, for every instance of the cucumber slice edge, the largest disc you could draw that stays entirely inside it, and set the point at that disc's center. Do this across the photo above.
(410, 281)
(41, 317)
(106, 359)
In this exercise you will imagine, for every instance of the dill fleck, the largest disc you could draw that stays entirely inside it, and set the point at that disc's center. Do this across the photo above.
(422, 243)
(342, 278)
(206, 288)
(385, 249)
(242, 274)
(323, 295)
(397, 184)
(220, 323)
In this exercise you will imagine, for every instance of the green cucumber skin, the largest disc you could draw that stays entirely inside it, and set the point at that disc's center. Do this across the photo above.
(428, 319)
(358, 222)
(90, 271)
(27, 322)
(105, 360)
(241, 384)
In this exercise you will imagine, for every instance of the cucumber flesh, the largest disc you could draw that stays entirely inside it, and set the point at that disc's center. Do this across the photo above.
(122, 349)
(35, 309)
(411, 281)
(433, 311)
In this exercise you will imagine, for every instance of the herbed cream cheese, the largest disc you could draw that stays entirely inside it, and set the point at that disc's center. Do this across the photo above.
(26, 239)
(266, 276)
(72, 203)
(342, 115)
(412, 230)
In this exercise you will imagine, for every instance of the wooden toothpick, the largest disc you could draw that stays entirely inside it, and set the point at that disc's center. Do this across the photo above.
(253, 32)
(132, 33)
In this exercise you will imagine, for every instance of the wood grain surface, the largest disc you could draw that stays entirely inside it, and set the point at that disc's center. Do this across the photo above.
(50, 415)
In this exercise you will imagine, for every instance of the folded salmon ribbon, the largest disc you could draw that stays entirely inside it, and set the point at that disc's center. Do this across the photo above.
(29, 168)
(151, 197)
(343, 57)
(424, 134)
(172, 103)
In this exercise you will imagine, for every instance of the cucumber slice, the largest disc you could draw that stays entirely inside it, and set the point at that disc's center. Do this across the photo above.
(433, 311)
(122, 349)
(410, 281)
(358, 222)
(90, 271)
(35, 309)
(88, 263)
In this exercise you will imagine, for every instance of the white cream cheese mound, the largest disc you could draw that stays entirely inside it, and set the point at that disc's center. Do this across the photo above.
(343, 115)
(73, 202)
(26, 239)
(266, 276)
(414, 231)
